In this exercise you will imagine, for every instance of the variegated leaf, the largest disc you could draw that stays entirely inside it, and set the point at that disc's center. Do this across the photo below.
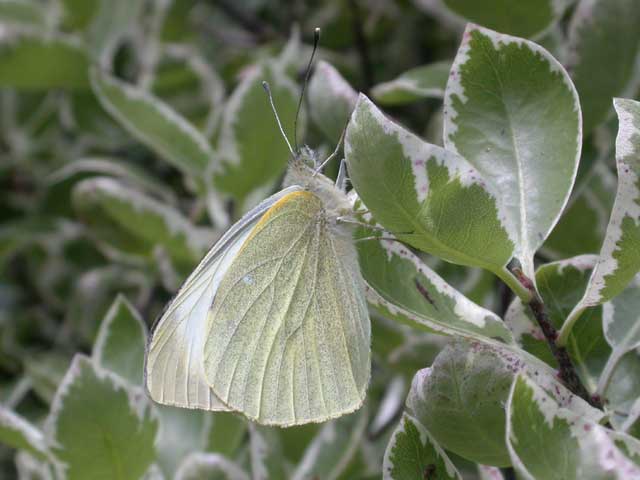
(331, 100)
(22, 12)
(121, 340)
(512, 111)
(619, 259)
(96, 416)
(398, 275)
(603, 44)
(251, 149)
(156, 125)
(412, 453)
(548, 441)
(427, 81)
(129, 222)
(267, 457)
(426, 196)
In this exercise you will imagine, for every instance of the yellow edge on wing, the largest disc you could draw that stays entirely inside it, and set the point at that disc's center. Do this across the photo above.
(272, 211)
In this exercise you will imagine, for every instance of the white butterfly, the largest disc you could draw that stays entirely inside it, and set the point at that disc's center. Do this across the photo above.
(273, 322)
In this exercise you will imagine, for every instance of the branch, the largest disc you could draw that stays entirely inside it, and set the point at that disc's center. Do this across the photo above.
(567, 371)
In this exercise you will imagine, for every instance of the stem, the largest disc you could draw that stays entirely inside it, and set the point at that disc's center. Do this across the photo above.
(566, 370)
(565, 331)
(525, 294)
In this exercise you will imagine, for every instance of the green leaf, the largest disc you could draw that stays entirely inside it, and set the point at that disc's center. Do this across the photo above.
(124, 219)
(29, 61)
(267, 457)
(333, 447)
(29, 468)
(512, 111)
(459, 401)
(331, 100)
(551, 442)
(251, 148)
(619, 260)
(17, 432)
(524, 19)
(622, 392)
(603, 43)
(181, 432)
(209, 466)
(22, 12)
(402, 279)
(427, 81)
(412, 454)
(560, 285)
(121, 340)
(95, 416)
(156, 125)
(426, 196)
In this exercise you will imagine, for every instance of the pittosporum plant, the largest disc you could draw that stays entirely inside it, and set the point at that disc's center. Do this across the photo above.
(491, 205)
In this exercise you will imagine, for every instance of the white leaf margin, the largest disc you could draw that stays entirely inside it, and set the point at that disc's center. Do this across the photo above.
(592, 438)
(454, 87)
(209, 461)
(138, 401)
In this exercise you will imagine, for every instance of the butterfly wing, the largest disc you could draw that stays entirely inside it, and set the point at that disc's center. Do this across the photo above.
(288, 338)
(173, 368)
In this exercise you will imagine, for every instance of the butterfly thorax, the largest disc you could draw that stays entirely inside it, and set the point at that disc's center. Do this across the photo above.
(336, 203)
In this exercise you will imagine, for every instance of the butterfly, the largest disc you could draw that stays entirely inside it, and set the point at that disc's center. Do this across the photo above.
(273, 323)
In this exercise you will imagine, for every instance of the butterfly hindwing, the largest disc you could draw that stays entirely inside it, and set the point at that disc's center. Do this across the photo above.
(174, 373)
(288, 334)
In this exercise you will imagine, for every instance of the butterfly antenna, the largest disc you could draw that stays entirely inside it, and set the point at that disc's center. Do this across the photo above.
(316, 40)
(267, 89)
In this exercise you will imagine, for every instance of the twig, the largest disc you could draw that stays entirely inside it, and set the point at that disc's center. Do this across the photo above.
(566, 370)
(361, 45)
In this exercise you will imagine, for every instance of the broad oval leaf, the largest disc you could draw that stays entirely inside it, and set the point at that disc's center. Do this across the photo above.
(95, 415)
(29, 61)
(412, 453)
(512, 111)
(399, 276)
(459, 401)
(156, 125)
(524, 19)
(331, 100)
(551, 442)
(427, 81)
(121, 340)
(604, 41)
(619, 260)
(251, 149)
(426, 196)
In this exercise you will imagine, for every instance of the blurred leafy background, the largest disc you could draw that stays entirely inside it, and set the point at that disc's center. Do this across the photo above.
(133, 131)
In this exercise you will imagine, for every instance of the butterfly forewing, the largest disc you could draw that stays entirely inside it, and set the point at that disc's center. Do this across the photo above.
(174, 373)
(288, 334)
